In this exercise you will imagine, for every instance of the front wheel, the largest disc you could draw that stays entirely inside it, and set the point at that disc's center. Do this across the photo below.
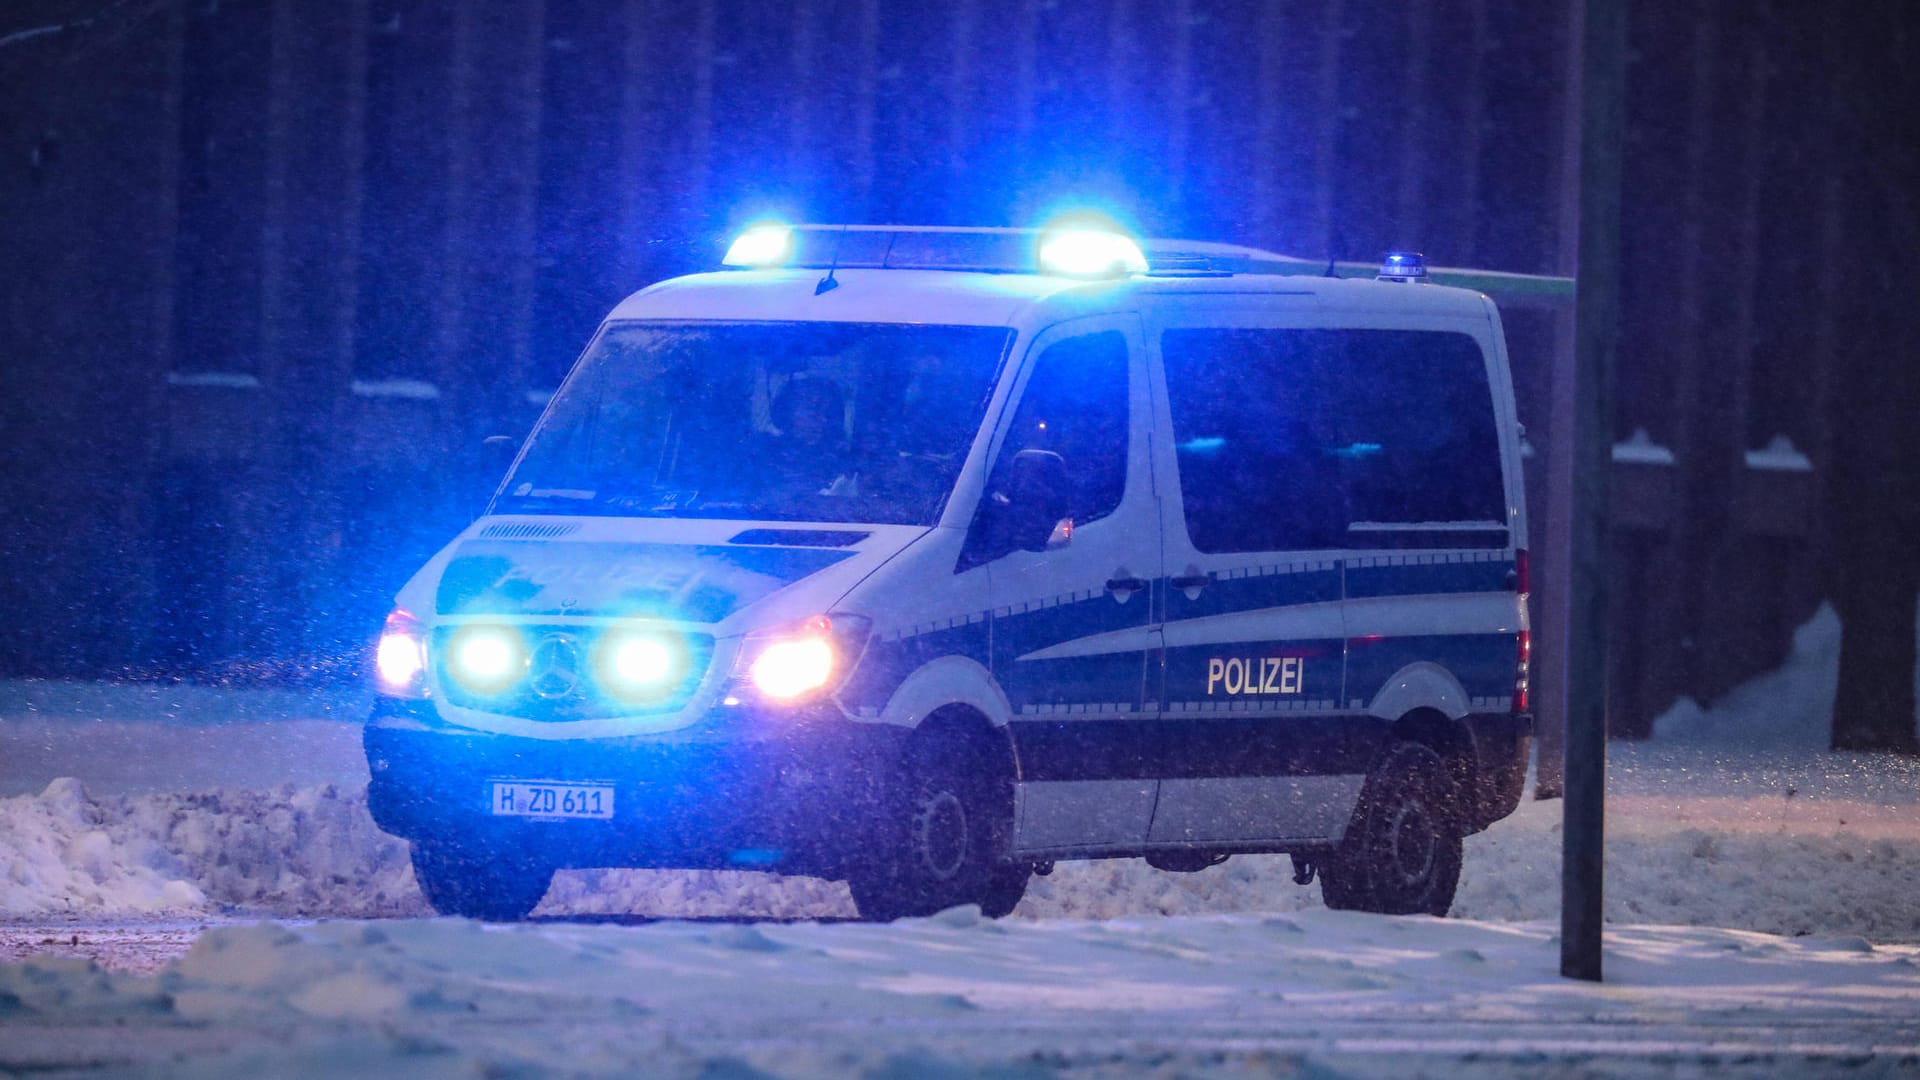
(1402, 852)
(478, 886)
(944, 838)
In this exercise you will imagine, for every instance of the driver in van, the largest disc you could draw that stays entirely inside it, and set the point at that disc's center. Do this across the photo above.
(809, 453)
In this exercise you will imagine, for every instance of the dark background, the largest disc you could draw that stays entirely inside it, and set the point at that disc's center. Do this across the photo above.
(273, 268)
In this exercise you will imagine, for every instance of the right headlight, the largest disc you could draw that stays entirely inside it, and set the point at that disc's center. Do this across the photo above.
(801, 661)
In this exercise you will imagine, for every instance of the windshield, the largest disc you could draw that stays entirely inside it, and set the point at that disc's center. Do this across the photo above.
(801, 421)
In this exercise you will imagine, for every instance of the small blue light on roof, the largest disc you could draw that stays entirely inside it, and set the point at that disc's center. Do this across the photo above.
(761, 245)
(1090, 253)
(1403, 266)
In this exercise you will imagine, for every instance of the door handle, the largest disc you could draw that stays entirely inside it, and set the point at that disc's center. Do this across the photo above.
(1196, 582)
(1126, 584)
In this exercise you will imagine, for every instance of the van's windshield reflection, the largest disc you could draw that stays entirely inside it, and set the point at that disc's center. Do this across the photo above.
(798, 421)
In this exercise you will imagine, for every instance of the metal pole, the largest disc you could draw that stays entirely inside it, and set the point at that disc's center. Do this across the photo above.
(1552, 545)
(1596, 315)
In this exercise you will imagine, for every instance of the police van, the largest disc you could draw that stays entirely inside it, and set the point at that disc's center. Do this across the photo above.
(923, 558)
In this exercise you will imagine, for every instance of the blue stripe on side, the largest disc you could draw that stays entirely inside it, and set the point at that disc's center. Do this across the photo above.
(1197, 747)
(1484, 663)
(886, 664)
(1413, 579)
(1226, 595)
(1112, 680)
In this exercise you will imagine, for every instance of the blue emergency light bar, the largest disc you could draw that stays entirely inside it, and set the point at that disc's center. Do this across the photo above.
(1409, 266)
(1091, 252)
(1079, 252)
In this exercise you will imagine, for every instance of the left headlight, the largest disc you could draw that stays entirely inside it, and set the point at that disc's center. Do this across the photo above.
(803, 660)
(401, 656)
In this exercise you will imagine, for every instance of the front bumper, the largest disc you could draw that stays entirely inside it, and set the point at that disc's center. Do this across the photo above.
(790, 793)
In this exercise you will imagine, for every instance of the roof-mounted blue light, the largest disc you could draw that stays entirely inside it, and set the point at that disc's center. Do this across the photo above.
(1090, 253)
(761, 246)
(1407, 266)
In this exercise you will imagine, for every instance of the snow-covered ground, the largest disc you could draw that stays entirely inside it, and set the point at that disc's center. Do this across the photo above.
(1314, 994)
(1763, 898)
(1784, 844)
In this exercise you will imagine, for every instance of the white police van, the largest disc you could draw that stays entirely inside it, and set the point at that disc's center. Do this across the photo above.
(922, 558)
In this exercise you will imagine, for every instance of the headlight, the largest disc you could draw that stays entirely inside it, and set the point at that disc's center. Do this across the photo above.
(796, 662)
(401, 657)
(640, 664)
(487, 658)
(788, 669)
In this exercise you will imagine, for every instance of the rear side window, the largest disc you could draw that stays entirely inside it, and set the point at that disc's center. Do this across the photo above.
(1301, 439)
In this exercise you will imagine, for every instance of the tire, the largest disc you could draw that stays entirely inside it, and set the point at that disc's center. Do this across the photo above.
(1401, 854)
(478, 887)
(943, 837)
(1004, 890)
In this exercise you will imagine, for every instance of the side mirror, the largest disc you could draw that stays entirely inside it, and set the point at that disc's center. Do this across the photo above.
(1036, 501)
(1025, 510)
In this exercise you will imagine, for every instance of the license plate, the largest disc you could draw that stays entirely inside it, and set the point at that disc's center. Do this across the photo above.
(522, 798)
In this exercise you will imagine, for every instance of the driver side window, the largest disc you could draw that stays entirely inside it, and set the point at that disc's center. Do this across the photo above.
(1074, 405)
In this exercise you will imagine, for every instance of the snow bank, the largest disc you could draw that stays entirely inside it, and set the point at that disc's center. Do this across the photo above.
(312, 851)
(57, 854)
(1789, 706)
(1316, 994)
(1734, 816)
(1787, 845)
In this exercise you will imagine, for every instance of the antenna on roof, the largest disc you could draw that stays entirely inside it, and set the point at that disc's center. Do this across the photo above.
(1333, 252)
(828, 284)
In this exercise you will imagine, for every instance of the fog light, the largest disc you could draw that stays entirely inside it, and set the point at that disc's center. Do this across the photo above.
(643, 661)
(487, 659)
(640, 665)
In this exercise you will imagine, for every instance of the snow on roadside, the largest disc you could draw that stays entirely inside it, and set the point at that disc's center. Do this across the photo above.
(1733, 816)
(1789, 706)
(1754, 856)
(311, 851)
(1312, 994)
(58, 854)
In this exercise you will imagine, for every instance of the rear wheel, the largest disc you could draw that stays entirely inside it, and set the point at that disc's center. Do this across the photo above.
(479, 886)
(1004, 890)
(1402, 852)
(944, 838)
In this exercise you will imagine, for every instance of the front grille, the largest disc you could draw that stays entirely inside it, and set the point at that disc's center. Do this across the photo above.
(562, 680)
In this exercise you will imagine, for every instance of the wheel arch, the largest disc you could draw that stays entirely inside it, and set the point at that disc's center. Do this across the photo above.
(1421, 685)
(1452, 740)
(943, 683)
(961, 724)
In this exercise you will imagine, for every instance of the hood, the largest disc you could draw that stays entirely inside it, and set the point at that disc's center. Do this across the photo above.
(682, 571)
